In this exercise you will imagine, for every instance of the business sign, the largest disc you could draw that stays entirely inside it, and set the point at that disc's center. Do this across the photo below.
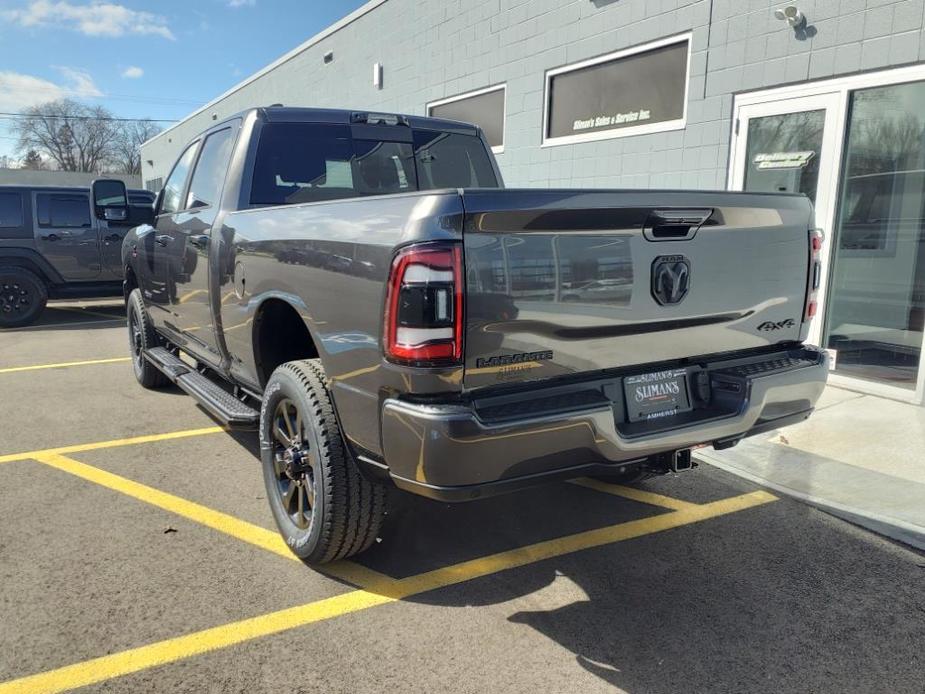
(631, 92)
(783, 160)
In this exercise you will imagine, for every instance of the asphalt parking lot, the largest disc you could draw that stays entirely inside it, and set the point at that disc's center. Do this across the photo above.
(137, 553)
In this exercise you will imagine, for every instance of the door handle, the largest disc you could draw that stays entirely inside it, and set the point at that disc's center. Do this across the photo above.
(162, 239)
(50, 237)
(112, 238)
(665, 225)
(200, 241)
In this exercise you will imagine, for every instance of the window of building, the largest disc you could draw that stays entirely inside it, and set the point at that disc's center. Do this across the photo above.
(173, 190)
(10, 210)
(484, 108)
(632, 92)
(63, 210)
(209, 175)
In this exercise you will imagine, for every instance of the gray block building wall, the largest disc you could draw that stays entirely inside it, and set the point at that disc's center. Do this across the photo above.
(439, 48)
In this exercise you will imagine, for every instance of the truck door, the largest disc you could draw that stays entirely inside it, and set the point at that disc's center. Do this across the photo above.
(193, 240)
(66, 234)
(162, 251)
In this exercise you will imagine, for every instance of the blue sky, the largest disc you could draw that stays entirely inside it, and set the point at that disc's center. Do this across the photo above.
(145, 58)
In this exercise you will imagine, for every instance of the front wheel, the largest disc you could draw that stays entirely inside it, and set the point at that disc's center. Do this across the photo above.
(324, 507)
(141, 337)
(22, 297)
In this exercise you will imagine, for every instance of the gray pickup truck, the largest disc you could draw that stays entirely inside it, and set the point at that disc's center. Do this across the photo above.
(362, 289)
(53, 246)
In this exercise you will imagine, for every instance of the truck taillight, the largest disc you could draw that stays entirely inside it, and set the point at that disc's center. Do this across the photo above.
(424, 306)
(815, 273)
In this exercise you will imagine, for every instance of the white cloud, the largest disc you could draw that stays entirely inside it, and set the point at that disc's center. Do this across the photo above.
(133, 72)
(19, 91)
(242, 3)
(94, 19)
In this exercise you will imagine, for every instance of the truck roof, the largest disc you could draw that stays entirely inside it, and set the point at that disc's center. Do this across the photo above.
(298, 114)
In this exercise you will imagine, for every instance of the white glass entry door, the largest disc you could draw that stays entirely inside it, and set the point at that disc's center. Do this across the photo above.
(790, 146)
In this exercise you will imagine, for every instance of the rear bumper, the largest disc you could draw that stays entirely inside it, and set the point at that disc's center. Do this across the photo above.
(455, 453)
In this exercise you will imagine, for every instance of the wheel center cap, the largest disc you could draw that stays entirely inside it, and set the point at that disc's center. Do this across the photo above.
(296, 462)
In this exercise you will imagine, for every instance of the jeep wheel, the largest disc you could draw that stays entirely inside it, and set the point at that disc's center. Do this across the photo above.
(22, 297)
(141, 336)
(323, 505)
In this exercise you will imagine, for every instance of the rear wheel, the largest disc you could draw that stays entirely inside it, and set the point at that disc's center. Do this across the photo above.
(324, 507)
(23, 296)
(141, 337)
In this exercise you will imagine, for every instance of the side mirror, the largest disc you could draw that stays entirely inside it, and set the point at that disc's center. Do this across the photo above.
(110, 200)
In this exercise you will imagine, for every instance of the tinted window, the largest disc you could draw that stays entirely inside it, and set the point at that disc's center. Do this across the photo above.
(63, 210)
(633, 90)
(307, 162)
(173, 190)
(206, 185)
(10, 209)
(449, 160)
(485, 110)
(141, 200)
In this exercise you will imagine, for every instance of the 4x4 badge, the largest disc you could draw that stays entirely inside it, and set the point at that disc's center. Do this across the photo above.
(671, 278)
(769, 325)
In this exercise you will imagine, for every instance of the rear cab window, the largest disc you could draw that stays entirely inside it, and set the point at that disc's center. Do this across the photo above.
(311, 162)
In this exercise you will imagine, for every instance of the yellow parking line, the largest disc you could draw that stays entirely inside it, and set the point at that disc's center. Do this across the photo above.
(639, 495)
(222, 522)
(242, 530)
(81, 447)
(63, 364)
(172, 650)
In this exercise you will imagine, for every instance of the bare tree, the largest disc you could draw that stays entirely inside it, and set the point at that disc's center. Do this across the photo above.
(76, 137)
(126, 157)
(33, 160)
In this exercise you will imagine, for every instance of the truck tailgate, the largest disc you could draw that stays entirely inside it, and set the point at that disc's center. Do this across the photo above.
(566, 281)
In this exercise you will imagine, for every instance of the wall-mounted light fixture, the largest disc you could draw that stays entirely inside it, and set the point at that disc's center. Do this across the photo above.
(377, 75)
(792, 15)
(329, 57)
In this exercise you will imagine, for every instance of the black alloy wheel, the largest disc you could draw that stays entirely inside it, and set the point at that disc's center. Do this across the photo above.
(22, 297)
(141, 337)
(294, 463)
(325, 507)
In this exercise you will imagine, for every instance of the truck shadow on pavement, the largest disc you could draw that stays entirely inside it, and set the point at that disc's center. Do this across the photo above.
(773, 598)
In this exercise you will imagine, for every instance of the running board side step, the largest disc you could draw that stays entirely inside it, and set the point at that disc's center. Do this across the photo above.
(214, 399)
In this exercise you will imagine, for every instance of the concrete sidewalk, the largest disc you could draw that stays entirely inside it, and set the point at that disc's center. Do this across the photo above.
(859, 457)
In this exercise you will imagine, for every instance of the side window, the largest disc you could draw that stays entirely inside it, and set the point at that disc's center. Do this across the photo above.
(209, 174)
(10, 210)
(173, 189)
(63, 210)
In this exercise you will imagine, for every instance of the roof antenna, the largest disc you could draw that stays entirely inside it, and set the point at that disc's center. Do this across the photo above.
(274, 105)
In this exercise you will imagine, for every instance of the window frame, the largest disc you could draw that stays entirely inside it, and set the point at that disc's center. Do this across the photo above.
(230, 126)
(22, 210)
(196, 146)
(633, 130)
(51, 194)
(496, 149)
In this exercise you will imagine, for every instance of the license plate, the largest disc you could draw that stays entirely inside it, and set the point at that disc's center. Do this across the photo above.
(657, 394)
